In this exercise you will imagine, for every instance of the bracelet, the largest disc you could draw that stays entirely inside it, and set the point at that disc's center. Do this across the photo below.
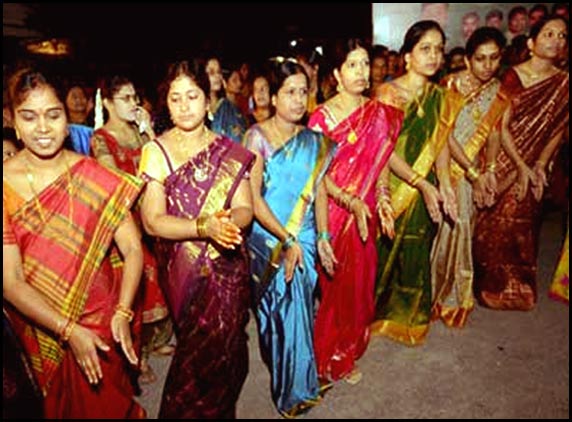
(415, 179)
(289, 242)
(324, 236)
(491, 167)
(383, 191)
(124, 312)
(472, 174)
(202, 226)
(66, 332)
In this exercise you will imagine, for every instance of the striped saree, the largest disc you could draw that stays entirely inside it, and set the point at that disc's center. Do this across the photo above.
(65, 235)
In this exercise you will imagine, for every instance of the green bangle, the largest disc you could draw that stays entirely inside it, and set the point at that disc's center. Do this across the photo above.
(289, 242)
(324, 236)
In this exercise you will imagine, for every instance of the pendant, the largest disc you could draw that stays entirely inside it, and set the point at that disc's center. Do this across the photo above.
(352, 137)
(420, 112)
(200, 174)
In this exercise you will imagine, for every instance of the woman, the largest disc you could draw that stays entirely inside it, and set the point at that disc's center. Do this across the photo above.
(118, 145)
(289, 204)
(225, 115)
(261, 97)
(404, 279)
(365, 133)
(21, 394)
(197, 200)
(451, 256)
(63, 213)
(506, 241)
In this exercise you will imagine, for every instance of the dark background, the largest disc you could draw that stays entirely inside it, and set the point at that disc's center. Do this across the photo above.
(141, 38)
(139, 32)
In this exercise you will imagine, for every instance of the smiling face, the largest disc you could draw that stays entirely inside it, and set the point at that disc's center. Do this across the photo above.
(187, 103)
(41, 121)
(427, 55)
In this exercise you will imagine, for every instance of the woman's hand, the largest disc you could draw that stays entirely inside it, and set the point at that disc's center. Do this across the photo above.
(362, 213)
(450, 205)
(292, 257)
(432, 197)
(525, 176)
(121, 330)
(540, 182)
(327, 257)
(386, 217)
(220, 228)
(84, 345)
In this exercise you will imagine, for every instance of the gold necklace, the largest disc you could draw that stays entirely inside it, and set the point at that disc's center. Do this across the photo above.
(353, 136)
(37, 203)
(200, 173)
(416, 98)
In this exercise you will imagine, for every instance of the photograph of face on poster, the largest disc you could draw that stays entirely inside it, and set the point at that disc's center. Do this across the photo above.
(458, 20)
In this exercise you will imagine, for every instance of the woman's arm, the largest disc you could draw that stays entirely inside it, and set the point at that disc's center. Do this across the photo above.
(525, 174)
(325, 251)
(431, 195)
(268, 220)
(31, 303)
(128, 240)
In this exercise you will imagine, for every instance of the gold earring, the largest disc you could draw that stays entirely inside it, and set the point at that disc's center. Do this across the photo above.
(17, 134)
(407, 66)
(367, 85)
(339, 88)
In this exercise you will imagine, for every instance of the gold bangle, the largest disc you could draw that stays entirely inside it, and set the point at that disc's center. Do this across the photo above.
(415, 179)
(472, 174)
(202, 226)
(125, 312)
(491, 167)
(66, 334)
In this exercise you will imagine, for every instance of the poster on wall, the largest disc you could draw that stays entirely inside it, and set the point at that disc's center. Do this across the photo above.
(391, 20)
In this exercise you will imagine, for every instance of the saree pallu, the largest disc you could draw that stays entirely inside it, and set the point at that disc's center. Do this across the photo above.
(229, 121)
(150, 299)
(403, 290)
(285, 311)
(346, 303)
(206, 288)
(65, 236)
(559, 289)
(506, 235)
(451, 255)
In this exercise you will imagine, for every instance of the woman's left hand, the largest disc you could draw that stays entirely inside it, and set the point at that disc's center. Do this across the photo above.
(449, 201)
(540, 181)
(327, 257)
(121, 331)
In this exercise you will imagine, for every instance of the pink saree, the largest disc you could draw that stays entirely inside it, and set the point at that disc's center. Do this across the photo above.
(347, 304)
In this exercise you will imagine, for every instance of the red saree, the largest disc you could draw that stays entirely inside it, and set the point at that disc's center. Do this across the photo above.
(506, 235)
(347, 304)
(127, 159)
(65, 243)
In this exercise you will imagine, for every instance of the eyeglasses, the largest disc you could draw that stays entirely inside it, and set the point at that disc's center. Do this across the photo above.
(128, 98)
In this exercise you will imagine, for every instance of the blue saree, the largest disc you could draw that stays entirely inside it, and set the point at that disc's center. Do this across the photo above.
(229, 121)
(285, 311)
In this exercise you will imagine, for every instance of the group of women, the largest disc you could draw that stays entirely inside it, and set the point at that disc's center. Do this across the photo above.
(365, 203)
